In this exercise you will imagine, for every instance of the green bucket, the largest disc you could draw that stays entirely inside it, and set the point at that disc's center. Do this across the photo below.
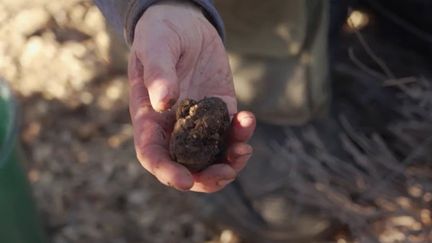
(18, 218)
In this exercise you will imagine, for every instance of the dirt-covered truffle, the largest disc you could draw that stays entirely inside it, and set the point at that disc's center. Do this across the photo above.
(198, 138)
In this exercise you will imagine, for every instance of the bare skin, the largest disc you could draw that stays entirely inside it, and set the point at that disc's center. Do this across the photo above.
(178, 54)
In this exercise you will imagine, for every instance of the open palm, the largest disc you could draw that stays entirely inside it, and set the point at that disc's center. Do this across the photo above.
(178, 54)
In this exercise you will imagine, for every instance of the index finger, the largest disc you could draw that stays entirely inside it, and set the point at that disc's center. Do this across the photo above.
(151, 139)
(151, 145)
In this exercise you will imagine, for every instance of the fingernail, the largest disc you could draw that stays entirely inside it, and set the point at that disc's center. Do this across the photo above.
(223, 183)
(246, 121)
(244, 150)
(185, 183)
(163, 106)
(245, 157)
(161, 95)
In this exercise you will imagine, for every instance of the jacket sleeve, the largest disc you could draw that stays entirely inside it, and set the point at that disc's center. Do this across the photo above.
(123, 15)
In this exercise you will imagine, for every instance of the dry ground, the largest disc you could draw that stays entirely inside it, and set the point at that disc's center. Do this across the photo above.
(81, 163)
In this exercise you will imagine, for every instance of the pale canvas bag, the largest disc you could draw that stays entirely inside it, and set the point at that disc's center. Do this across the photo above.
(278, 55)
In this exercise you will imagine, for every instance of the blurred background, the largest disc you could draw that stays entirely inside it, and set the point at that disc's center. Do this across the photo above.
(68, 72)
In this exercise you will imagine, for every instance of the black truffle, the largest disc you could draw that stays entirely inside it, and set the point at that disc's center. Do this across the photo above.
(198, 138)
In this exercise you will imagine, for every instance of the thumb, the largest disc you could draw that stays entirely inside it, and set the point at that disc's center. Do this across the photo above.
(160, 78)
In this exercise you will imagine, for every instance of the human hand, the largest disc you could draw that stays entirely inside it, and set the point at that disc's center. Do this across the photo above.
(177, 54)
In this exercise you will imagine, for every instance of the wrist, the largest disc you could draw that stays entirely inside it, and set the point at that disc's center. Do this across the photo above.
(137, 9)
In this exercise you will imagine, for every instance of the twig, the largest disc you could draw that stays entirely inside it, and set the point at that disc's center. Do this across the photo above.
(371, 53)
(404, 163)
(400, 81)
(401, 85)
(401, 22)
(363, 66)
(380, 62)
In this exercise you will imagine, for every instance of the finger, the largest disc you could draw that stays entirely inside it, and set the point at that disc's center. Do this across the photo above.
(238, 154)
(154, 158)
(151, 143)
(243, 127)
(214, 178)
(139, 100)
(151, 140)
(160, 75)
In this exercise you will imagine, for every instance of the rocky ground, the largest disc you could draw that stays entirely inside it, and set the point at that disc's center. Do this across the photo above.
(69, 75)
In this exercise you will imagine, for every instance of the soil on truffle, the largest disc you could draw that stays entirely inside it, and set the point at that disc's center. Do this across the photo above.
(199, 135)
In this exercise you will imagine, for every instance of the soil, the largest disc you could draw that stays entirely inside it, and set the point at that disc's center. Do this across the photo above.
(198, 139)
